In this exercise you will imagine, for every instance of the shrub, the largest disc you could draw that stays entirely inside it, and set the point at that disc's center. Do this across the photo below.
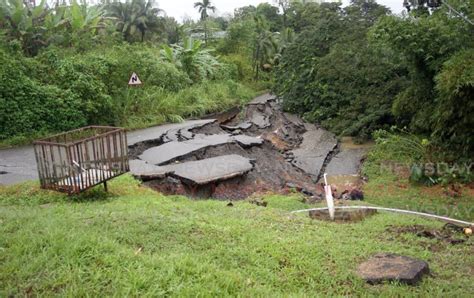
(27, 106)
(243, 66)
(454, 112)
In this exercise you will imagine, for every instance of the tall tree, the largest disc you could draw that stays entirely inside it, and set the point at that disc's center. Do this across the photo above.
(265, 46)
(203, 8)
(135, 16)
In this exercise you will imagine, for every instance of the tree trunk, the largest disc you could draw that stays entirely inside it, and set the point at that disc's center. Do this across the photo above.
(257, 57)
(205, 33)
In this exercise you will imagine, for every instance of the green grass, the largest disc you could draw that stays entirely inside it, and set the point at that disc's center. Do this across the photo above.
(390, 186)
(134, 241)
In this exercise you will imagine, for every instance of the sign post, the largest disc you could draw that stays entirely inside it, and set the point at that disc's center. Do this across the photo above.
(134, 80)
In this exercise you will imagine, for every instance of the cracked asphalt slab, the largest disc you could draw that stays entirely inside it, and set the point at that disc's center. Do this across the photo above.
(282, 148)
(19, 164)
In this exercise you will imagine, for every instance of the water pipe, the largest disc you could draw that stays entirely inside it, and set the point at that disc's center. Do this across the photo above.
(443, 218)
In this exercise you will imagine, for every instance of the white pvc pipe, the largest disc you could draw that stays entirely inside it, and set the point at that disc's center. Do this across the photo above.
(444, 218)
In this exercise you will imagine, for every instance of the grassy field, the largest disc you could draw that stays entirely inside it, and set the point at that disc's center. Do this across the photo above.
(134, 241)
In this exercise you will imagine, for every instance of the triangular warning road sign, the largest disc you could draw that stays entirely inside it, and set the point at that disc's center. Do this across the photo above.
(134, 80)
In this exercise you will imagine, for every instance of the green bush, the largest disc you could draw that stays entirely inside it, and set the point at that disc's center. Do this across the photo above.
(332, 75)
(60, 90)
(454, 113)
(28, 107)
(243, 66)
(146, 62)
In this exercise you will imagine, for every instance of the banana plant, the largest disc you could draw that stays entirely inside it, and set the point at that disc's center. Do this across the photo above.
(198, 62)
(83, 17)
(24, 23)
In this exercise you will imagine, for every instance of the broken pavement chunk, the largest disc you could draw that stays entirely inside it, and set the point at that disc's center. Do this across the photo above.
(209, 170)
(262, 99)
(157, 132)
(146, 171)
(391, 267)
(170, 151)
(241, 126)
(316, 146)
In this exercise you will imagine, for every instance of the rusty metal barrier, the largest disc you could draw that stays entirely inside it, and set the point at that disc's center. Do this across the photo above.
(77, 160)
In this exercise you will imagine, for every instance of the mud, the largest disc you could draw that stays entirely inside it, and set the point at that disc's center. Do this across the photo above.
(285, 153)
(450, 234)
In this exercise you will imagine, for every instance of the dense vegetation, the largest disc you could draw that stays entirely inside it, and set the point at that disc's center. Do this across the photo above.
(354, 69)
(68, 66)
(358, 69)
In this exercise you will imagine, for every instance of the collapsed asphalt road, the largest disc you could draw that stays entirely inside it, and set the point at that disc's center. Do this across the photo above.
(260, 149)
(229, 156)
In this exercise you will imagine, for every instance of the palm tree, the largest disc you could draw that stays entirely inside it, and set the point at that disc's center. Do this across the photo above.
(135, 15)
(203, 7)
(197, 62)
(265, 47)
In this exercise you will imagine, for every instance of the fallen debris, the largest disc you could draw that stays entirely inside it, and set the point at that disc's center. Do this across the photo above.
(210, 170)
(388, 267)
(170, 151)
(311, 155)
(241, 126)
(354, 194)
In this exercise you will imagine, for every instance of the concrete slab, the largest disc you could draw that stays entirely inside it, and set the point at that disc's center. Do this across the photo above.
(262, 99)
(209, 170)
(146, 171)
(260, 120)
(346, 162)
(247, 141)
(295, 119)
(168, 152)
(242, 126)
(311, 154)
(156, 132)
(385, 267)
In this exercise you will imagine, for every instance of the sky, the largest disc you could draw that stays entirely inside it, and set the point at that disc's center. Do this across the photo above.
(180, 9)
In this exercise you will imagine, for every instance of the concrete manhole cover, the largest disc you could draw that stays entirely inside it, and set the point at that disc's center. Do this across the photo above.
(347, 215)
(391, 267)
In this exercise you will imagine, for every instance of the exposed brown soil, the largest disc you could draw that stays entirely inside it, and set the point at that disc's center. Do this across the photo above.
(450, 233)
(273, 169)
